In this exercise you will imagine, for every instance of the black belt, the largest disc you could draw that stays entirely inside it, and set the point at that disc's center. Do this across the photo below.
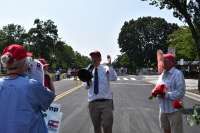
(100, 100)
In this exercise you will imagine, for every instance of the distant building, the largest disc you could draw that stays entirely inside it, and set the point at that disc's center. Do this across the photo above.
(189, 68)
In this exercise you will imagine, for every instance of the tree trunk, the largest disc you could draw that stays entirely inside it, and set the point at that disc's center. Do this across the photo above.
(198, 43)
(199, 78)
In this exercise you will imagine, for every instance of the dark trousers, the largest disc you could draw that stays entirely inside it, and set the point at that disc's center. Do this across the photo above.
(101, 113)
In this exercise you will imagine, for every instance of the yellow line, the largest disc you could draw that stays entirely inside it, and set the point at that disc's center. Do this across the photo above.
(67, 92)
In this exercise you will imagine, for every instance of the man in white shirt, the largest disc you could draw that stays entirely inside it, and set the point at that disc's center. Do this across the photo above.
(100, 96)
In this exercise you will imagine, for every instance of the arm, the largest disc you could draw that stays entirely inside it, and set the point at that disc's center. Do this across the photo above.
(49, 83)
(52, 86)
(112, 74)
(39, 96)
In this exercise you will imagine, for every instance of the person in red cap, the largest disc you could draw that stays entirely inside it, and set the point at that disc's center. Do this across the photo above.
(14, 56)
(47, 79)
(100, 96)
(22, 99)
(172, 79)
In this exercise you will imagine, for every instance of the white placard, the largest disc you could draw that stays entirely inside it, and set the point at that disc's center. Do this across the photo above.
(181, 61)
(35, 71)
(53, 118)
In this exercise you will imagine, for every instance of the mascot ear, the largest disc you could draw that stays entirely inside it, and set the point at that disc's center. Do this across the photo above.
(6, 59)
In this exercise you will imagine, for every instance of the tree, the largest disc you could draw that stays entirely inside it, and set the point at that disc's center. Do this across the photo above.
(3, 40)
(44, 42)
(64, 55)
(121, 61)
(125, 62)
(13, 34)
(184, 44)
(43, 39)
(81, 61)
(141, 38)
(187, 11)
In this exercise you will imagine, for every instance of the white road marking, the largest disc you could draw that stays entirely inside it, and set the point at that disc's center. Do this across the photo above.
(125, 78)
(130, 84)
(133, 79)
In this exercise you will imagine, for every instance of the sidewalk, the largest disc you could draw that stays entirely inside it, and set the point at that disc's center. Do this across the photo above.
(190, 84)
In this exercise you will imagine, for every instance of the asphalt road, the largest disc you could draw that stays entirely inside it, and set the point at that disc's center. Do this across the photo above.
(133, 113)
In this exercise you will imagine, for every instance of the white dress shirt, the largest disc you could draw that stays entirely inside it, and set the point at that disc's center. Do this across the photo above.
(105, 75)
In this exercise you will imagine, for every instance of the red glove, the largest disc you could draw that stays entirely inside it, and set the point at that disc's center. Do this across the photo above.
(177, 104)
(159, 90)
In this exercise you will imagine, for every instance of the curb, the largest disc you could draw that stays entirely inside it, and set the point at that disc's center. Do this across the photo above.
(192, 96)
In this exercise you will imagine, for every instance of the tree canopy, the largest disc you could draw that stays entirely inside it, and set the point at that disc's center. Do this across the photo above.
(43, 38)
(184, 44)
(44, 42)
(141, 38)
(12, 34)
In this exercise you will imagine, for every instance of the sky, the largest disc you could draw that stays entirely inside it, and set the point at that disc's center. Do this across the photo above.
(85, 25)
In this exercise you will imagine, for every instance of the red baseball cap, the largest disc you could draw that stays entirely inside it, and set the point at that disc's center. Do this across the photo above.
(97, 53)
(169, 56)
(16, 51)
(43, 61)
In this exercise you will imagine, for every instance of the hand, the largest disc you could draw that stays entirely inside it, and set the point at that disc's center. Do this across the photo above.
(107, 72)
(107, 69)
(161, 95)
(159, 90)
(109, 59)
(154, 92)
(177, 104)
(88, 84)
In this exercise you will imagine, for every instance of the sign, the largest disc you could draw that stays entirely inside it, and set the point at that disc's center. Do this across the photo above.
(35, 71)
(181, 61)
(53, 118)
(172, 50)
